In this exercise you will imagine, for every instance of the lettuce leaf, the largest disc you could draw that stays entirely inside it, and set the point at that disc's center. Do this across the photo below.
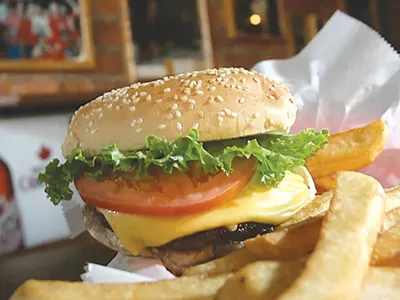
(275, 154)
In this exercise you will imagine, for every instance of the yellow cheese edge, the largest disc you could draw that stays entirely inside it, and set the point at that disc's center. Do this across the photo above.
(256, 203)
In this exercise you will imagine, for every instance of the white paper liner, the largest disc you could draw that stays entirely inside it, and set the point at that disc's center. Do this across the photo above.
(346, 76)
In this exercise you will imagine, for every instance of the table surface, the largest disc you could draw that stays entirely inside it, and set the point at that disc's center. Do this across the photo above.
(63, 260)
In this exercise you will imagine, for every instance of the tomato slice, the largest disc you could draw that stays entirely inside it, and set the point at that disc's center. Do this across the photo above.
(175, 194)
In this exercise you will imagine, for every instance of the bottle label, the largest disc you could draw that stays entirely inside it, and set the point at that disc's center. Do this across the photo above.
(10, 226)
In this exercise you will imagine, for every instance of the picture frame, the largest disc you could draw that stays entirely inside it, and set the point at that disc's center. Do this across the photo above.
(82, 57)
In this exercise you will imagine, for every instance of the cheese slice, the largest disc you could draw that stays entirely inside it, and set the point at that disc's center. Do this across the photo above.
(256, 203)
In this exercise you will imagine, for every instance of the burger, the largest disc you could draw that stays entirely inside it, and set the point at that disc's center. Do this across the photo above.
(187, 167)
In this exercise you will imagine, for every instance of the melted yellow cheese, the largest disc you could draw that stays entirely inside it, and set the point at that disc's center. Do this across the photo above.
(256, 203)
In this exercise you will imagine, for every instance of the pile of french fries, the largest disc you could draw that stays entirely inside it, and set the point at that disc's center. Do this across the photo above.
(345, 244)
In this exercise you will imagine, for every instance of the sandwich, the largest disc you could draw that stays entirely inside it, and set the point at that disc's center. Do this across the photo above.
(187, 167)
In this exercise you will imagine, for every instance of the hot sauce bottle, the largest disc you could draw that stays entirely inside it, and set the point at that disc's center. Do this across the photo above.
(10, 224)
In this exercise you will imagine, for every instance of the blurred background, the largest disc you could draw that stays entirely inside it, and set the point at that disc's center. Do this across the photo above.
(56, 55)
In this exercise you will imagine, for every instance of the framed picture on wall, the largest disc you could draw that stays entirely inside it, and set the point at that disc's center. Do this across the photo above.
(40, 35)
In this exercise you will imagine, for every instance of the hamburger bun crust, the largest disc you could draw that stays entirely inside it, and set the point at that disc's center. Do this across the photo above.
(221, 103)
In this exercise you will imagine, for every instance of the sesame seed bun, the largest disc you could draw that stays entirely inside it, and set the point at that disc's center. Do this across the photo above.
(221, 103)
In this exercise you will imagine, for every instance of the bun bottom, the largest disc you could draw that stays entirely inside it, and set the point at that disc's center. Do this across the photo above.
(174, 261)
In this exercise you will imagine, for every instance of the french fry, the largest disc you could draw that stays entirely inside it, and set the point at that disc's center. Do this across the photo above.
(316, 208)
(319, 206)
(269, 279)
(387, 248)
(293, 241)
(184, 288)
(324, 184)
(226, 264)
(261, 280)
(391, 219)
(381, 283)
(393, 198)
(336, 269)
(287, 243)
(349, 150)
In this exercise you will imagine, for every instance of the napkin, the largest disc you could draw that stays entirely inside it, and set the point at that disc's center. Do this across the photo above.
(346, 76)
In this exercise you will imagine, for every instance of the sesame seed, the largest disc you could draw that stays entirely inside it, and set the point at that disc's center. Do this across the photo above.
(140, 120)
(167, 90)
(174, 106)
(271, 97)
(132, 108)
(191, 106)
(125, 101)
(211, 81)
(256, 115)
(195, 125)
(162, 126)
(221, 113)
(192, 101)
(169, 116)
(139, 130)
(92, 131)
(234, 114)
(142, 94)
(117, 107)
(192, 84)
(175, 97)
(220, 119)
(256, 79)
(220, 99)
(291, 100)
(212, 88)
(223, 75)
(241, 100)
(109, 105)
(219, 79)
(184, 98)
(178, 114)
(148, 98)
(101, 115)
(179, 126)
(228, 111)
(210, 99)
(187, 91)
(272, 88)
(201, 114)
(159, 100)
(243, 80)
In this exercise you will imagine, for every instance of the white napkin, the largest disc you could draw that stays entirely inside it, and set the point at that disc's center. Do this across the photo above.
(127, 269)
(346, 76)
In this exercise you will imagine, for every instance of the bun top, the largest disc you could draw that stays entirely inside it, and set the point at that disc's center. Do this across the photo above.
(221, 103)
